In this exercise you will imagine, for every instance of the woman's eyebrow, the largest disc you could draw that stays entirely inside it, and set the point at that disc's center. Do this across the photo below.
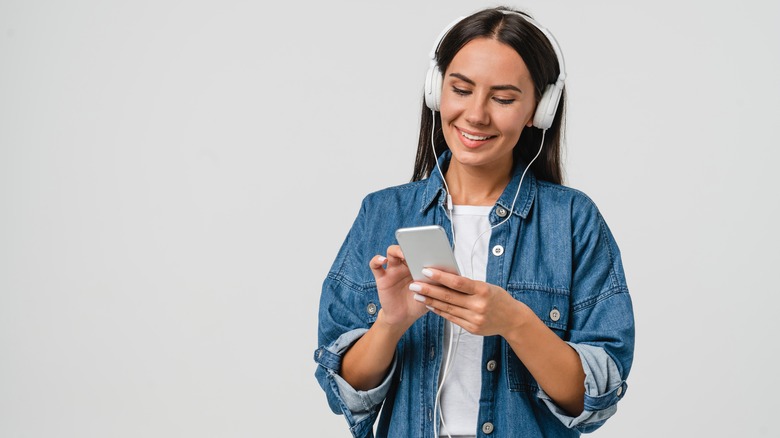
(494, 87)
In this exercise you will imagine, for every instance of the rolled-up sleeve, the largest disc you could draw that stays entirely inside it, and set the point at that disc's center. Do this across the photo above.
(341, 325)
(603, 388)
(355, 404)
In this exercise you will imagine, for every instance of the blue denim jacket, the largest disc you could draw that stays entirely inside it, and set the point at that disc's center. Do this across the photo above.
(559, 258)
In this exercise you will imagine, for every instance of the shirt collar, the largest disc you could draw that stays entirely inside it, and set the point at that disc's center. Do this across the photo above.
(435, 193)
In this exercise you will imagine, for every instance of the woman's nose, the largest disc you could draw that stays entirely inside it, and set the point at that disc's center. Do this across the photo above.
(477, 113)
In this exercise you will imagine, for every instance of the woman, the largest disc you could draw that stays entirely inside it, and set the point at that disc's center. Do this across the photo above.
(536, 338)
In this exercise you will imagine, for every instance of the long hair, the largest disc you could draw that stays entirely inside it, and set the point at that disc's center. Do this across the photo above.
(539, 56)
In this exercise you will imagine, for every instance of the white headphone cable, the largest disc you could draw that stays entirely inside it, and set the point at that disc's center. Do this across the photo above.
(446, 187)
(450, 357)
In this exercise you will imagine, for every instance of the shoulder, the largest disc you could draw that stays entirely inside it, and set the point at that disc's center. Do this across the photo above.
(566, 199)
(587, 227)
(401, 193)
(574, 214)
(383, 211)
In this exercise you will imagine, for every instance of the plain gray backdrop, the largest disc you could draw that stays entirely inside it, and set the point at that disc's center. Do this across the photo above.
(176, 178)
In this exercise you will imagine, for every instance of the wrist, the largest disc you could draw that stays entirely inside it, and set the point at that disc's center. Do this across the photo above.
(520, 323)
(391, 329)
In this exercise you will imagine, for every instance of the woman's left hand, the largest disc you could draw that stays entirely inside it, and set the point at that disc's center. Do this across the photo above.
(480, 308)
(485, 309)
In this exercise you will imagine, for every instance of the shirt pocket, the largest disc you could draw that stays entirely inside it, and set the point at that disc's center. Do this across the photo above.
(552, 307)
(357, 307)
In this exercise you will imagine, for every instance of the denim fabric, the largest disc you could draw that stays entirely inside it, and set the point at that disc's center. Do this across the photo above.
(559, 258)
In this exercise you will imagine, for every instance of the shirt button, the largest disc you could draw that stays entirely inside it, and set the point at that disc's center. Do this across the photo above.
(371, 308)
(501, 212)
(498, 250)
(491, 365)
(487, 428)
(620, 390)
(555, 315)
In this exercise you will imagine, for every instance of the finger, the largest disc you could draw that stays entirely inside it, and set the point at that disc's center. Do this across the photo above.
(376, 265)
(452, 281)
(395, 251)
(440, 297)
(448, 308)
(439, 293)
(466, 325)
(395, 255)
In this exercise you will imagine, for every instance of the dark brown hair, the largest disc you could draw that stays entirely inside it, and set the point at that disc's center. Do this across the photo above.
(539, 56)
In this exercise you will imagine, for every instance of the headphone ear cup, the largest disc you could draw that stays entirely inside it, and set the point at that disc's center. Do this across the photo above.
(433, 87)
(548, 104)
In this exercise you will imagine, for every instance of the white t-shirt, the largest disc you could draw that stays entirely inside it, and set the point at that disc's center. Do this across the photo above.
(460, 394)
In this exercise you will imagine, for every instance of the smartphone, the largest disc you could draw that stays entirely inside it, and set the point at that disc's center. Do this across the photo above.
(426, 247)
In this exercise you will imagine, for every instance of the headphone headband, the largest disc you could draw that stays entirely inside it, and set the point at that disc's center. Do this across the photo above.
(548, 104)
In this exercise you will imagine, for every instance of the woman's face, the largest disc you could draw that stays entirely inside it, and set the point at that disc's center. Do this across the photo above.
(487, 99)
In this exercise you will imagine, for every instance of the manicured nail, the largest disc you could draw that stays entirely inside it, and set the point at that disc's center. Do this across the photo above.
(419, 298)
(415, 287)
(429, 307)
(427, 272)
(382, 259)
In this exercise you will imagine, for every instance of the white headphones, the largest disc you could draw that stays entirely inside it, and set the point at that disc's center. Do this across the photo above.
(548, 104)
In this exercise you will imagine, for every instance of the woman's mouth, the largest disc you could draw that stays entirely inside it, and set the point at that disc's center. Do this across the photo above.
(473, 139)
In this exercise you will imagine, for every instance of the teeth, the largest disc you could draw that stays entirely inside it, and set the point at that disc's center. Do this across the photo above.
(473, 137)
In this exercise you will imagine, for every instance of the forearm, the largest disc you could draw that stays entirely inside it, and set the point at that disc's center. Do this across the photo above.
(367, 362)
(553, 363)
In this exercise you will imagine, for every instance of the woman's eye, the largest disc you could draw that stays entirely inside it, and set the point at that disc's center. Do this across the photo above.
(459, 91)
(503, 101)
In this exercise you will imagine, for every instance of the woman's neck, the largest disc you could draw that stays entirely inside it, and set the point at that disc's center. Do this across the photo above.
(470, 185)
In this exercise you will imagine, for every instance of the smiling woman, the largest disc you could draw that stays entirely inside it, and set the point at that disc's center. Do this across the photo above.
(536, 337)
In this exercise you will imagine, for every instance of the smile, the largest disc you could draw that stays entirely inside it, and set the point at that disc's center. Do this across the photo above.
(475, 137)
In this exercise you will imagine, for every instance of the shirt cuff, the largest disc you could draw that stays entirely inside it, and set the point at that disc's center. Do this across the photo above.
(603, 389)
(360, 403)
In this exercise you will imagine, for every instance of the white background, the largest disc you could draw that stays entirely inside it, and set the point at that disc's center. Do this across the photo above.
(176, 178)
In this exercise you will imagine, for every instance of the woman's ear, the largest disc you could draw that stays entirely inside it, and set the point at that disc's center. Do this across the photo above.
(530, 122)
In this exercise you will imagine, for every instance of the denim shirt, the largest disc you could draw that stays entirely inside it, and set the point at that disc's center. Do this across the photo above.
(558, 257)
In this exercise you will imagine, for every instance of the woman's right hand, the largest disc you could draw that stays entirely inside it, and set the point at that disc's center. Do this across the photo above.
(368, 360)
(399, 308)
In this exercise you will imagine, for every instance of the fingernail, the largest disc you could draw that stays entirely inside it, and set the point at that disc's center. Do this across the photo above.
(427, 272)
(382, 259)
(415, 287)
(419, 298)
(429, 307)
